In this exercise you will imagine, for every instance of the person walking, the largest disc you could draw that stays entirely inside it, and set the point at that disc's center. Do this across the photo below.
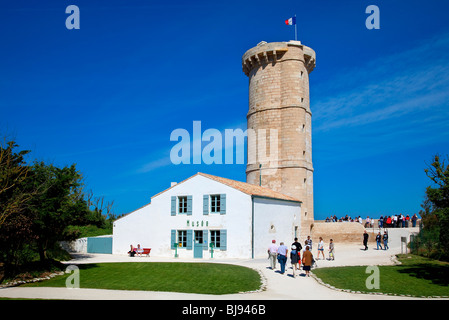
(378, 241)
(272, 254)
(365, 240)
(282, 256)
(294, 258)
(385, 239)
(309, 243)
(298, 249)
(307, 258)
(331, 250)
(321, 249)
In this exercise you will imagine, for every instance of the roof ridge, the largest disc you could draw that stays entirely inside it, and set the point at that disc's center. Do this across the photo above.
(249, 188)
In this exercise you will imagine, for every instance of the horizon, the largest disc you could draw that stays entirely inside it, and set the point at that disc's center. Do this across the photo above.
(108, 96)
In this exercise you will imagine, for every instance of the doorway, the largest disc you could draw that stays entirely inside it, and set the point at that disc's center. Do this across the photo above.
(198, 244)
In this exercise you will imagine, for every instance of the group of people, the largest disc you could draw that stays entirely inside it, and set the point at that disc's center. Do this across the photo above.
(393, 221)
(298, 255)
(135, 251)
(379, 239)
(397, 221)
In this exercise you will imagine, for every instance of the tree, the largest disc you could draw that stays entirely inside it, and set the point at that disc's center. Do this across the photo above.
(436, 204)
(13, 171)
(60, 205)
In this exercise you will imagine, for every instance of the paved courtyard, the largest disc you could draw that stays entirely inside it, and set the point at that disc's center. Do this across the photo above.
(277, 286)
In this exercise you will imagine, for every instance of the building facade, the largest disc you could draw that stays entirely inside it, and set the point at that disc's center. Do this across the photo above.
(186, 218)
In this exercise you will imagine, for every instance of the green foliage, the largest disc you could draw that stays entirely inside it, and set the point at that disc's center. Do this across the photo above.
(435, 213)
(40, 205)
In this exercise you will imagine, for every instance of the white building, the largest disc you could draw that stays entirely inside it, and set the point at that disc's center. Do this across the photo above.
(240, 219)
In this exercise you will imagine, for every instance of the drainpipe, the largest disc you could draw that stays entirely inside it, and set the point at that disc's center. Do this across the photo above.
(252, 227)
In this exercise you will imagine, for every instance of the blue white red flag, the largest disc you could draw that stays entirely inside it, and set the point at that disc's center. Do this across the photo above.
(291, 21)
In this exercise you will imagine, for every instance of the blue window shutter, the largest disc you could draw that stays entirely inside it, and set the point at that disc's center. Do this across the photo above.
(189, 239)
(189, 205)
(205, 239)
(173, 239)
(222, 203)
(173, 205)
(205, 204)
(223, 239)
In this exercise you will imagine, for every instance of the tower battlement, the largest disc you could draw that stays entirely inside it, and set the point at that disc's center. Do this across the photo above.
(270, 52)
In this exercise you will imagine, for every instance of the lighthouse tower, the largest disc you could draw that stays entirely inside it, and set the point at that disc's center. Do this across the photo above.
(280, 121)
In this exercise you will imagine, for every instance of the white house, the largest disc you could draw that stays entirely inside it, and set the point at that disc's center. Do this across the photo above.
(240, 219)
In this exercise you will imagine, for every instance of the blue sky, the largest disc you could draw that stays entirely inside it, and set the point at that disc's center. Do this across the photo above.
(108, 96)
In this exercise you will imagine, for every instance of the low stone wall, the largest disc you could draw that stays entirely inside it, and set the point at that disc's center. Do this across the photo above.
(352, 232)
(338, 231)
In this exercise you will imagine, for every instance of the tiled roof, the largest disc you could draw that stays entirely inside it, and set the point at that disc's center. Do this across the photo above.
(250, 189)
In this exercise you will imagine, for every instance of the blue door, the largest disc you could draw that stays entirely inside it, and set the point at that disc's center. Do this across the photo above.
(99, 245)
(198, 244)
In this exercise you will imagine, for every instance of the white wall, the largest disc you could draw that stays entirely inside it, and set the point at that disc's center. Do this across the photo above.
(274, 220)
(151, 225)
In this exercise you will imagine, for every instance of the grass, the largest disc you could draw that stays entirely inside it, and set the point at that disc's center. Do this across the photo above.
(205, 278)
(415, 276)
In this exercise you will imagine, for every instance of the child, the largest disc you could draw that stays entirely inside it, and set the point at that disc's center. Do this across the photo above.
(331, 250)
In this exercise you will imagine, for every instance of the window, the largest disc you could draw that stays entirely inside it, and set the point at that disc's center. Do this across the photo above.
(215, 203)
(182, 238)
(198, 236)
(182, 204)
(215, 238)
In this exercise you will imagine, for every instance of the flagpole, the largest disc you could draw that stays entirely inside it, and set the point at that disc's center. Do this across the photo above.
(296, 35)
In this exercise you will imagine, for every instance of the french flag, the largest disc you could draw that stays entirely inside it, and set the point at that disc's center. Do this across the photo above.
(291, 21)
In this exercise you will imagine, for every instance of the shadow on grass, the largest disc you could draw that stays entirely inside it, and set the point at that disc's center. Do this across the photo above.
(437, 274)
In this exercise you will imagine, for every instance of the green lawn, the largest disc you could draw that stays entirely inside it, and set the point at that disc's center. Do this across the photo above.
(416, 276)
(207, 278)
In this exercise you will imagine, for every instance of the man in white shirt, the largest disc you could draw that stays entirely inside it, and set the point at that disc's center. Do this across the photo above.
(272, 254)
(282, 256)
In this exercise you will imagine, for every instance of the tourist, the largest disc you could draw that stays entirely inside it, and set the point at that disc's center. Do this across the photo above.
(378, 241)
(385, 239)
(367, 222)
(309, 242)
(294, 258)
(381, 221)
(331, 250)
(407, 221)
(132, 252)
(414, 219)
(272, 254)
(298, 249)
(307, 258)
(320, 249)
(389, 222)
(365, 240)
(282, 256)
(139, 250)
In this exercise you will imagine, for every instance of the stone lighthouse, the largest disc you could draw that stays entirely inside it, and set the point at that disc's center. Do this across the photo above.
(280, 121)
